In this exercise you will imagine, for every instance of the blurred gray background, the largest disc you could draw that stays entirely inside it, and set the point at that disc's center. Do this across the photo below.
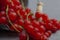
(51, 7)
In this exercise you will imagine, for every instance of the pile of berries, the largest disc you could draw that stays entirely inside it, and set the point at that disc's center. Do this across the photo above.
(22, 20)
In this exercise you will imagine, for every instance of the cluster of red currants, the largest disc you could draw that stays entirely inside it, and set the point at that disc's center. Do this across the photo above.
(22, 20)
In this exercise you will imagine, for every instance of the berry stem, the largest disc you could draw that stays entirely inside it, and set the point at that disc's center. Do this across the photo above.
(9, 19)
(22, 27)
(23, 4)
(19, 14)
(39, 7)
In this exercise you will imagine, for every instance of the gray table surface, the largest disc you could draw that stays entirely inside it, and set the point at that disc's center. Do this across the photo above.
(14, 36)
(9, 36)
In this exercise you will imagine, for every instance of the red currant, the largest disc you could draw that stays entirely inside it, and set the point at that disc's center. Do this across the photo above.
(38, 15)
(48, 33)
(12, 16)
(27, 10)
(2, 13)
(18, 27)
(3, 20)
(22, 36)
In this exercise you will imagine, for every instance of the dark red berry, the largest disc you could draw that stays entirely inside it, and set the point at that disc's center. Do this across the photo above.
(22, 36)
(12, 16)
(3, 20)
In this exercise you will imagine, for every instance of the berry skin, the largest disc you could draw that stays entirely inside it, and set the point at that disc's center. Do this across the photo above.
(12, 16)
(2, 5)
(16, 2)
(48, 33)
(3, 20)
(31, 18)
(16, 27)
(28, 28)
(11, 28)
(18, 7)
(53, 20)
(11, 10)
(27, 22)
(22, 36)
(27, 10)
(10, 4)
(51, 27)
(19, 22)
(2, 13)
(55, 23)
(44, 37)
(42, 29)
(58, 26)
(38, 26)
(31, 31)
(38, 15)
(23, 14)
(45, 18)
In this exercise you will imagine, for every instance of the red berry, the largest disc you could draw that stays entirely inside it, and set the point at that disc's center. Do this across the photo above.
(44, 17)
(10, 4)
(3, 20)
(32, 31)
(31, 18)
(28, 28)
(27, 10)
(37, 35)
(55, 23)
(42, 29)
(36, 29)
(11, 28)
(58, 26)
(44, 37)
(48, 33)
(2, 5)
(37, 25)
(54, 20)
(19, 22)
(23, 14)
(12, 16)
(12, 10)
(27, 22)
(18, 7)
(41, 23)
(38, 15)
(2, 13)
(18, 27)
(22, 36)
(51, 27)
(16, 2)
